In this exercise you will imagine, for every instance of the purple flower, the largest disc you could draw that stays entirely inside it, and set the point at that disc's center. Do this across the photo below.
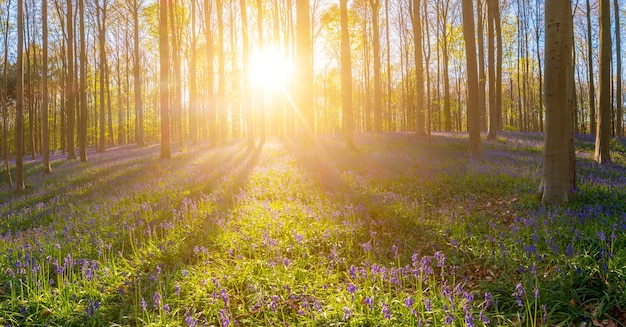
(441, 259)
(601, 235)
(386, 311)
(346, 313)
(488, 300)
(536, 291)
(408, 302)
(224, 319)
(351, 288)
(224, 296)
(394, 249)
(166, 308)
(368, 300)
(156, 298)
(519, 294)
(367, 247)
(427, 305)
(569, 252)
(143, 304)
(177, 290)
(190, 321)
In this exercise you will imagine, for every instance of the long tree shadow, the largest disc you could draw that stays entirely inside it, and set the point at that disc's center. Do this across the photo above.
(350, 179)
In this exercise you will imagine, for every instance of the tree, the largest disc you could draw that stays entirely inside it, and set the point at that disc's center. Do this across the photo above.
(82, 126)
(193, 82)
(164, 80)
(603, 131)
(416, 18)
(5, 115)
(44, 97)
(245, 52)
(558, 177)
(473, 110)
(378, 102)
(70, 94)
(101, 13)
(592, 96)
(346, 76)
(19, 103)
(139, 126)
(208, 33)
(304, 67)
(618, 78)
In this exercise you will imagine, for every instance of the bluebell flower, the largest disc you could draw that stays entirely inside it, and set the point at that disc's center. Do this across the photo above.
(224, 319)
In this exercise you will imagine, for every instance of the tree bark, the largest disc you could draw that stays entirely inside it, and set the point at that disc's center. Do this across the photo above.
(592, 96)
(164, 80)
(558, 166)
(19, 102)
(44, 103)
(619, 129)
(139, 124)
(70, 107)
(82, 126)
(346, 76)
(416, 18)
(603, 131)
(473, 110)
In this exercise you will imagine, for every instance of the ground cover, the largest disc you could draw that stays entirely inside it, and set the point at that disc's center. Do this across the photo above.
(405, 231)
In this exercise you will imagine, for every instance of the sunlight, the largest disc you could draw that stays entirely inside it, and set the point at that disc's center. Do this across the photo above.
(269, 69)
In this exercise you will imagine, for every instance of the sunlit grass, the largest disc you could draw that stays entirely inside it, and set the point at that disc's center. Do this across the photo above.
(404, 231)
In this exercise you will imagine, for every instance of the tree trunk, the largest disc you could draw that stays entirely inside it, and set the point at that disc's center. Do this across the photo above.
(70, 93)
(245, 99)
(164, 80)
(619, 129)
(378, 104)
(558, 168)
(193, 81)
(82, 126)
(208, 34)
(101, 14)
(139, 120)
(304, 68)
(482, 79)
(492, 132)
(473, 110)
(19, 102)
(346, 76)
(5, 109)
(416, 18)
(603, 131)
(592, 97)
(222, 108)
(44, 103)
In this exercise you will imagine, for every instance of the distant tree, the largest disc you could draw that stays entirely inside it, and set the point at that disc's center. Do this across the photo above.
(245, 51)
(44, 96)
(176, 101)
(19, 103)
(378, 102)
(603, 131)
(346, 76)
(5, 91)
(101, 14)
(210, 82)
(416, 19)
(222, 109)
(164, 67)
(473, 110)
(558, 177)
(260, 95)
(618, 73)
(82, 92)
(193, 79)
(70, 94)
(304, 67)
(590, 63)
(139, 126)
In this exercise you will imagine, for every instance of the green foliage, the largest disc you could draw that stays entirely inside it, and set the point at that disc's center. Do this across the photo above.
(399, 233)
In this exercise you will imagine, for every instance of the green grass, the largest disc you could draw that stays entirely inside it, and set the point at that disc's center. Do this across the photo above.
(400, 232)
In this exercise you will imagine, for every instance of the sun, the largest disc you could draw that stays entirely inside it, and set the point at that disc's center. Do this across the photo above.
(269, 69)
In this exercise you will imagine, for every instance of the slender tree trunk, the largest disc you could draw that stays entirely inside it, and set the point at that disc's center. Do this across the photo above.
(482, 79)
(416, 18)
(492, 132)
(19, 102)
(139, 119)
(305, 67)
(193, 81)
(246, 95)
(222, 108)
(260, 94)
(82, 128)
(558, 168)
(603, 131)
(101, 13)
(208, 33)
(176, 101)
(5, 109)
(390, 120)
(346, 76)
(378, 103)
(164, 80)
(619, 129)
(592, 97)
(70, 108)
(44, 102)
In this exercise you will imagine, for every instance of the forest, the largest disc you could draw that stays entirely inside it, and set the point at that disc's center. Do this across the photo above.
(312, 163)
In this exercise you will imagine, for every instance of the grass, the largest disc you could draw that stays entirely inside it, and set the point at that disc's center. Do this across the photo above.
(402, 232)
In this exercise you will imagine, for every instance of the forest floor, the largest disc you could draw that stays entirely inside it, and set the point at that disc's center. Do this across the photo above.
(405, 231)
